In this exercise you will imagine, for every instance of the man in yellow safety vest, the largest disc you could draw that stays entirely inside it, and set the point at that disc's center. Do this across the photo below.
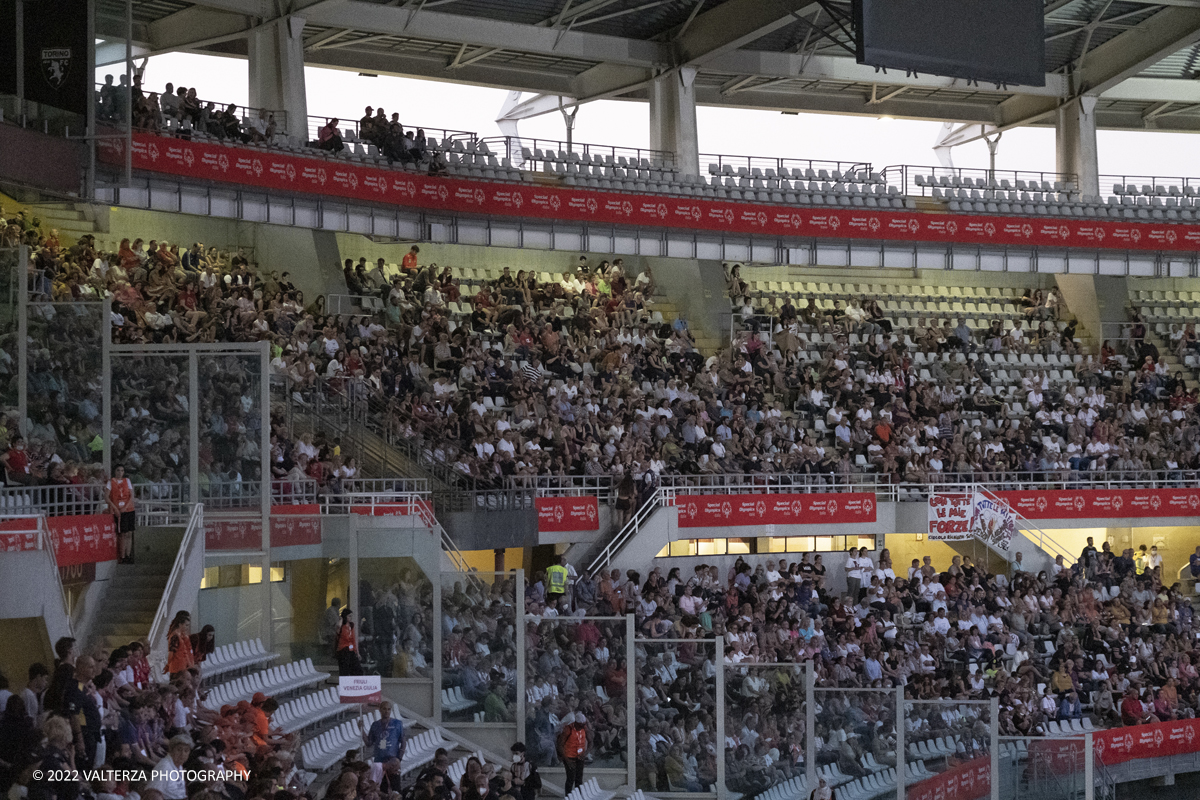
(556, 579)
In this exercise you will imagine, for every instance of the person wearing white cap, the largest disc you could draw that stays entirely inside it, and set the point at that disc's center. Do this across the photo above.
(573, 743)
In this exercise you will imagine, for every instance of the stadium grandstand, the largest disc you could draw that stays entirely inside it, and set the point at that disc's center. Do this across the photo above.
(359, 460)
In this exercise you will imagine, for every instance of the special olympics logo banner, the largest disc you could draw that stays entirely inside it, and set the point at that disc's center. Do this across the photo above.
(969, 781)
(1104, 503)
(291, 525)
(992, 522)
(292, 173)
(950, 517)
(567, 514)
(726, 510)
(83, 539)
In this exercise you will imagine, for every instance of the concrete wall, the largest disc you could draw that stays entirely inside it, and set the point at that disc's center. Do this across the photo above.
(47, 162)
(276, 247)
(31, 591)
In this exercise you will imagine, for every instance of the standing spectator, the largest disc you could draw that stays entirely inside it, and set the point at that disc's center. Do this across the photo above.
(35, 689)
(556, 577)
(409, 262)
(386, 736)
(330, 622)
(119, 496)
(346, 647)
(179, 646)
(573, 742)
(79, 708)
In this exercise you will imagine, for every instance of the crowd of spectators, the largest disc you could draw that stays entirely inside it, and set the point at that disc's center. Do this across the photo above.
(181, 112)
(924, 405)
(1104, 638)
(98, 724)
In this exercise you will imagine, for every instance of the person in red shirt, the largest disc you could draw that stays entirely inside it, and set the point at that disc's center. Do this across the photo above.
(409, 262)
(119, 494)
(16, 463)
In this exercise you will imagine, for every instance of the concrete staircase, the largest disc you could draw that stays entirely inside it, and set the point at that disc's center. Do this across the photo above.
(132, 600)
(70, 222)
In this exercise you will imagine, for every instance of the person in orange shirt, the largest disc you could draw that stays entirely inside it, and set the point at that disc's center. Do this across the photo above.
(409, 262)
(346, 649)
(179, 645)
(119, 495)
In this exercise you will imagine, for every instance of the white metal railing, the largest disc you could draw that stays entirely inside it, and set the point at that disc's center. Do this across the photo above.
(1045, 542)
(191, 545)
(46, 543)
(629, 531)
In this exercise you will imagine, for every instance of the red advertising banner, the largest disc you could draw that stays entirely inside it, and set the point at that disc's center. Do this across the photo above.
(290, 525)
(18, 535)
(83, 539)
(1118, 745)
(721, 510)
(1104, 503)
(295, 525)
(566, 514)
(969, 781)
(273, 169)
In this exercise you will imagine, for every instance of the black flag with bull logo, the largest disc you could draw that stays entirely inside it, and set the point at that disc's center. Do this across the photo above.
(57, 72)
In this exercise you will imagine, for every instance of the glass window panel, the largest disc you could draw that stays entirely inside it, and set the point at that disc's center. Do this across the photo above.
(738, 546)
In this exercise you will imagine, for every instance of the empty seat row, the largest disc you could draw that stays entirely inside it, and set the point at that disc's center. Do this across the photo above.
(311, 709)
(230, 658)
(275, 681)
(453, 700)
(590, 790)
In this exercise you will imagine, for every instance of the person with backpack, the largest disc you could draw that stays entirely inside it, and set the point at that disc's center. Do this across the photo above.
(573, 743)
(525, 778)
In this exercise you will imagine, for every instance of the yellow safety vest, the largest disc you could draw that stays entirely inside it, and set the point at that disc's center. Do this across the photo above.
(558, 579)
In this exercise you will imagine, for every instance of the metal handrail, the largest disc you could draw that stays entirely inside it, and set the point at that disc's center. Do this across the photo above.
(905, 177)
(193, 534)
(513, 148)
(1044, 541)
(46, 542)
(860, 169)
(629, 531)
(316, 122)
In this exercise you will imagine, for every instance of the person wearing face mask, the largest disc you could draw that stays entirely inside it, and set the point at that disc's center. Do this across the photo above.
(525, 778)
(482, 789)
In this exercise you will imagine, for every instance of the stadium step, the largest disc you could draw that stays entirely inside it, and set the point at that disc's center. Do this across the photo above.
(128, 611)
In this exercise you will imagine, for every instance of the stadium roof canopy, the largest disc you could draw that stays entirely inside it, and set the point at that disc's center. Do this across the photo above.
(1139, 57)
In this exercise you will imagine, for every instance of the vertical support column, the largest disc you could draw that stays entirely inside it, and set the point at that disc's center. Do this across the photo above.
(21, 276)
(630, 704)
(519, 607)
(436, 577)
(1089, 769)
(673, 118)
(89, 181)
(106, 404)
(20, 26)
(128, 95)
(264, 470)
(277, 73)
(352, 592)
(901, 760)
(194, 429)
(810, 725)
(994, 730)
(719, 661)
(1075, 143)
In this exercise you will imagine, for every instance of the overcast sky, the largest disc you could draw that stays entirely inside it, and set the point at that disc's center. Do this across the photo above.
(729, 131)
